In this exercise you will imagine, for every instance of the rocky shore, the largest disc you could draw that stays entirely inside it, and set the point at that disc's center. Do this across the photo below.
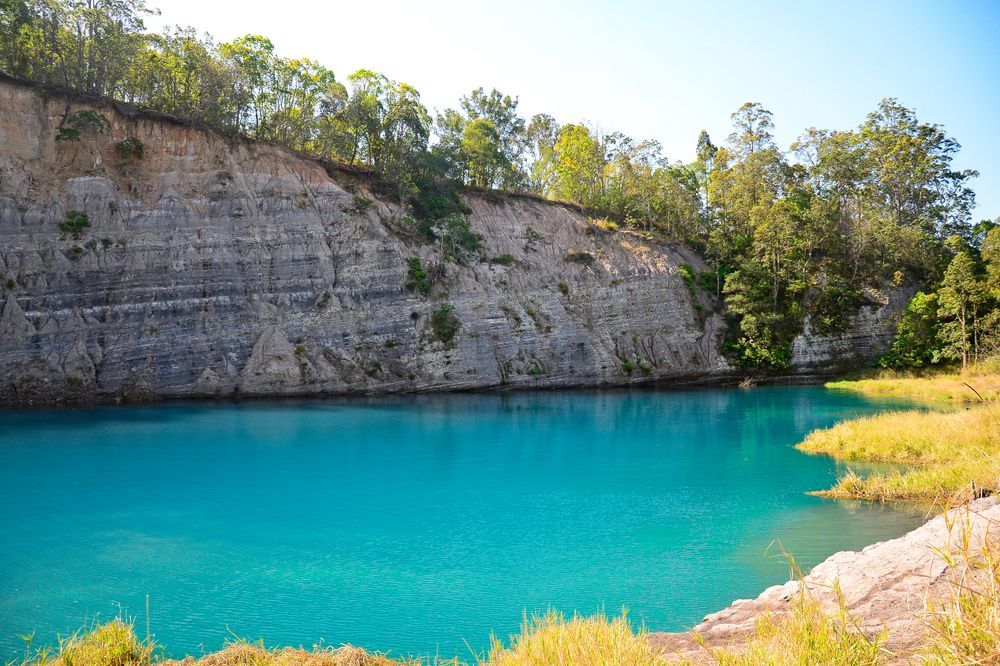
(887, 586)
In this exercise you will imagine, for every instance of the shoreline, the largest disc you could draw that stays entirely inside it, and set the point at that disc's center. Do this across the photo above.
(727, 380)
(885, 586)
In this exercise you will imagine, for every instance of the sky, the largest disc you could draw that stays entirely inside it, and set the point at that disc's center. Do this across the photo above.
(661, 70)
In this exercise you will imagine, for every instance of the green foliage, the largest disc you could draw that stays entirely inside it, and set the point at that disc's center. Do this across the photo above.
(89, 121)
(73, 223)
(916, 344)
(960, 296)
(627, 367)
(130, 147)
(687, 273)
(80, 122)
(445, 323)
(67, 134)
(417, 277)
(434, 197)
(11, 284)
(503, 260)
(564, 288)
(761, 352)
(360, 204)
(460, 242)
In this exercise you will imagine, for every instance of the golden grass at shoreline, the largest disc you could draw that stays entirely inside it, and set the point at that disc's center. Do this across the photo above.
(950, 454)
(980, 383)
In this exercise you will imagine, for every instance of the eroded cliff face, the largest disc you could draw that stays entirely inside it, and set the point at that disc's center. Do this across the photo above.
(219, 267)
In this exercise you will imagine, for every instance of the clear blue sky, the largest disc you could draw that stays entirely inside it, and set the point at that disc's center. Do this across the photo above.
(662, 70)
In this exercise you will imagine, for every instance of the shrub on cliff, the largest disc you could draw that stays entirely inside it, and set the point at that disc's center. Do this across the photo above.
(74, 223)
(130, 147)
(417, 277)
(445, 324)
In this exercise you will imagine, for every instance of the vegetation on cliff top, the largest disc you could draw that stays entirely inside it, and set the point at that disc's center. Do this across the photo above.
(812, 230)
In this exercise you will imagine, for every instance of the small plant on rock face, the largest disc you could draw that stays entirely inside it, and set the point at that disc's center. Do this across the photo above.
(564, 288)
(360, 203)
(67, 134)
(74, 223)
(417, 277)
(11, 284)
(687, 273)
(130, 147)
(444, 323)
(503, 260)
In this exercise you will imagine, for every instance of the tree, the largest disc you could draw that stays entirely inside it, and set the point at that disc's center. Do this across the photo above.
(752, 129)
(251, 59)
(913, 180)
(916, 344)
(485, 141)
(579, 165)
(540, 137)
(481, 149)
(959, 297)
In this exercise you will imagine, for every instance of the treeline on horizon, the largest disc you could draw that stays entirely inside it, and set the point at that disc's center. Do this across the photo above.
(812, 230)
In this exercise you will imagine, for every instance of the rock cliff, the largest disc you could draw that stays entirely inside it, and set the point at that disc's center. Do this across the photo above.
(213, 266)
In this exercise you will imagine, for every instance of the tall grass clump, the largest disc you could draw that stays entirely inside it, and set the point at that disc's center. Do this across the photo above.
(111, 644)
(581, 641)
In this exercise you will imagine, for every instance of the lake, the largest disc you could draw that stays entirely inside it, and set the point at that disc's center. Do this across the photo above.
(415, 524)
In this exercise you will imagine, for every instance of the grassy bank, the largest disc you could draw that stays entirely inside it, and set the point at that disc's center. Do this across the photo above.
(963, 628)
(980, 383)
(944, 455)
(804, 636)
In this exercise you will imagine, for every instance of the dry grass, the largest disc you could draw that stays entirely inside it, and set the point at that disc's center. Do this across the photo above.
(544, 640)
(983, 379)
(111, 644)
(802, 637)
(254, 654)
(964, 628)
(952, 454)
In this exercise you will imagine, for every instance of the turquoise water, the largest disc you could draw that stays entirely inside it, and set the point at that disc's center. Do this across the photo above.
(415, 524)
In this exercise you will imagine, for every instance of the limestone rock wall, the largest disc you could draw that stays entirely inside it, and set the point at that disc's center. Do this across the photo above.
(216, 267)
